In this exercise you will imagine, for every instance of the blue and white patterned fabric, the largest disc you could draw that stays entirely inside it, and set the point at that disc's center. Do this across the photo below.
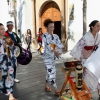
(6, 69)
(49, 56)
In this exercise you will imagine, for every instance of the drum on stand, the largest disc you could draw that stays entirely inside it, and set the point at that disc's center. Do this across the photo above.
(77, 89)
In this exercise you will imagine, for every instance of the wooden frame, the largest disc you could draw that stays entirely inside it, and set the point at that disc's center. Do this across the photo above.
(75, 94)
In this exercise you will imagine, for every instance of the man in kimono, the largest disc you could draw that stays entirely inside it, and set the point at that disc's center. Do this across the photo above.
(16, 40)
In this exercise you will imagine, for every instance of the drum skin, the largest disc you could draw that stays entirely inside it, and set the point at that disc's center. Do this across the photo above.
(17, 45)
(25, 56)
(71, 64)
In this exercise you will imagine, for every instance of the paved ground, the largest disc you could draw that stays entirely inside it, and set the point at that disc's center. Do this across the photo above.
(32, 83)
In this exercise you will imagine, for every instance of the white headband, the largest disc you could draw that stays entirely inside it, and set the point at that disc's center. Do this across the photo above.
(9, 23)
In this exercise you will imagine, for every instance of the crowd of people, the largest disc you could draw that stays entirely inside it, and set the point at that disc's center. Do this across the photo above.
(9, 63)
(52, 49)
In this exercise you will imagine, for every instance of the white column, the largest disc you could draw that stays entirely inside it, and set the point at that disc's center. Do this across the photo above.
(34, 42)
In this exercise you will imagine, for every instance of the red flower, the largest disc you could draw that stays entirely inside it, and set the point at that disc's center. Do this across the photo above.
(6, 34)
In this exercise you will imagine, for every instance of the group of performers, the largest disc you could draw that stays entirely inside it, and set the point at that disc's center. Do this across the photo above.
(8, 60)
(52, 49)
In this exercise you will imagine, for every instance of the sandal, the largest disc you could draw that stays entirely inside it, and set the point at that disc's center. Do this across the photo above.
(57, 93)
(13, 99)
(48, 89)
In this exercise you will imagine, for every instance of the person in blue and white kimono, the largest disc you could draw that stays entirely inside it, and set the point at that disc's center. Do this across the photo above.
(16, 40)
(52, 48)
(7, 62)
(89, 41)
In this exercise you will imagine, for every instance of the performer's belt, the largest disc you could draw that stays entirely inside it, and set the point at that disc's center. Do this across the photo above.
(89, 47)
(53, 46)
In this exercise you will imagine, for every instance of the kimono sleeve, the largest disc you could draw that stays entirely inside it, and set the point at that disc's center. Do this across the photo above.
(1, 54)
(45, 44)
(1, 50)
(58, 43)
(18, 39)
(76, 52)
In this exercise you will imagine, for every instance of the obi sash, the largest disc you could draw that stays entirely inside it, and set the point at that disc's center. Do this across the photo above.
(90, 47)
(53, 46)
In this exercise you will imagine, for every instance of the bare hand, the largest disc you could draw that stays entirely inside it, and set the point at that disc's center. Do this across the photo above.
(75, 58)
(20, 44)
(64, 49)
(8, 40)
(4, 45)
(56, 53)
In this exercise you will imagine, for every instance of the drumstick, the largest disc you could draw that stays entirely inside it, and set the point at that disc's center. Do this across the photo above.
(0, 75)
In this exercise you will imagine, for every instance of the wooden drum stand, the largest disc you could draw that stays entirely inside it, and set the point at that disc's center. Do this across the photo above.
(72, 93)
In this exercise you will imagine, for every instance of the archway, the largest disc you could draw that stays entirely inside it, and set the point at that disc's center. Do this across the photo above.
(52, 11)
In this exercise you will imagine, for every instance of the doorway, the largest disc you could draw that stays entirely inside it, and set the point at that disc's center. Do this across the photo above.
(57, 30)
(51, 10)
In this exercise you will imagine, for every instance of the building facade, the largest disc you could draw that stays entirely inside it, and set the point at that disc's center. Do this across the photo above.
(32, 13)
(66, 14)
(4, 12)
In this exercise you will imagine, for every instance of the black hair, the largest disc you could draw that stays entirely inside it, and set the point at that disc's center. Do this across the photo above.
(93, 23)
(29, 30)
(1, 24)
(40, 29)
(9, 23)
(47, 22)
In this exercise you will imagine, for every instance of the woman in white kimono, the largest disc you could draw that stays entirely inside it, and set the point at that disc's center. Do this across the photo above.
(90, 40)
(52, 48)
